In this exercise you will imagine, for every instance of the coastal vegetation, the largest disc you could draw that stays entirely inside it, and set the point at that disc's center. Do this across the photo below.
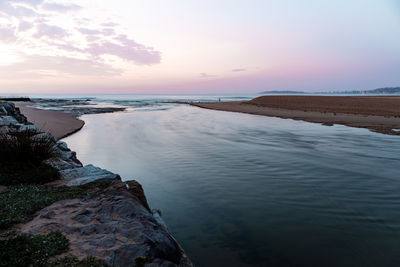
(25, 146)
(72, 261)
(22, 175)
(19, 203)
(22, 155)
(37, 250)
(32, 250)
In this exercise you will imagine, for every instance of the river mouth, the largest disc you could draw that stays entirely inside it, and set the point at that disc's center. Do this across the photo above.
(244, 190)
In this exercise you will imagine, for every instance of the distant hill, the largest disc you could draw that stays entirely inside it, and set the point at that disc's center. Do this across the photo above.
(386, 90)
(282, 92)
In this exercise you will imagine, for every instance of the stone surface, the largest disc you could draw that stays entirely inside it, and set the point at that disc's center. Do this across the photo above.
(4, 129)
(8, 121)
(41, 135)
(113, 225)
(61, 164)
(86, 174)
(8, 108)
(63, 146)
(28, 127)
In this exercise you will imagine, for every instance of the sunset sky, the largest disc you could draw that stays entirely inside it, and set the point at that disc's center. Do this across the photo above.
(207, 46)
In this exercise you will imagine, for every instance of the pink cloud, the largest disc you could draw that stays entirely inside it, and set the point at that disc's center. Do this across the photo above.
(109, 24)
(206, 75)
(50, 31)
(60, 7)
(16, 11)
(7, 34)
(129, 50)
(108, 31)
(97, 38)
(24, 26)
(87, 31)
(33, 65)
(28, 2)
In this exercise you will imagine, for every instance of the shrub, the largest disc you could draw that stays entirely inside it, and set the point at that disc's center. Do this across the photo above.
(31, 250)
(25, 147)
(14, 173)
(21, 156)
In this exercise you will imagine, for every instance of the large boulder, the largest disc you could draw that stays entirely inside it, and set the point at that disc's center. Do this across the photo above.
(8, 121)
(61, 164)
(87, 174)
(112, 225)
(8, 108)
(28, 127)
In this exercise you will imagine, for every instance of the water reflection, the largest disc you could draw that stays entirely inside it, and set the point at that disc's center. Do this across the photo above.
(245, 190)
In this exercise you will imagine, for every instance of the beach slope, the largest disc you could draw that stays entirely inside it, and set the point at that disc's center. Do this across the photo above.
(59, 124)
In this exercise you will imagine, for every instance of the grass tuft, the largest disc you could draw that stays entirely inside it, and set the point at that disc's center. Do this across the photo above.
(20, 203)
(72, 261)
(32, 250)
(25, 147)
(15, 173)
(21, 156)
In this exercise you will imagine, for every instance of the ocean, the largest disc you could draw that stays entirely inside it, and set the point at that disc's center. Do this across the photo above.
(246, 190)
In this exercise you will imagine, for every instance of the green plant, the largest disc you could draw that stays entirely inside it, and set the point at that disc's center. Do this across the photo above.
(19, 203)
(14, 173)
(26, 146)
(140, 261)
(72, 261)
(31, 250)
(21, 158)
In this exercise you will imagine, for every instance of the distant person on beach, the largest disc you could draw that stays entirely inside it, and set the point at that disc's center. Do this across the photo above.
(219, 99)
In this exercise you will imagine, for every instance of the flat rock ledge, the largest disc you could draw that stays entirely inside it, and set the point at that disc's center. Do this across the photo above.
(114, 222)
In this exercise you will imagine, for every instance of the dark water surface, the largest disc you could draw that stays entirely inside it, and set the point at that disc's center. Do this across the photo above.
(246, 190)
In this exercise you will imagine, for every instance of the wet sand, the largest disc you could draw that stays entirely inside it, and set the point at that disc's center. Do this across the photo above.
(59, 124)
(377, 113)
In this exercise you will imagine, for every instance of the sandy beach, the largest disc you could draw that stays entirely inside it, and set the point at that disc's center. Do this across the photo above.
(377, 113)
(59, 124)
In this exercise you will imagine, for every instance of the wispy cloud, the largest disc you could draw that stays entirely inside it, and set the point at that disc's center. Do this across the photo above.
(206, 75)
(50, 31)
(7, 9)
(7, 34)
(35, 27)
(87, 31)
(60, 7)
(24, 26)
(238, 70)
(33, 3)
(36, 66)
(133, 52)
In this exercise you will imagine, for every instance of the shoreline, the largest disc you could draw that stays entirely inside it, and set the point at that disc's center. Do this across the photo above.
(57, 123)
(111, 221)
(361, 112)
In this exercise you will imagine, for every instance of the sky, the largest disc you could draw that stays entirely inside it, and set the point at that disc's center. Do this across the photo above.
(197, 47)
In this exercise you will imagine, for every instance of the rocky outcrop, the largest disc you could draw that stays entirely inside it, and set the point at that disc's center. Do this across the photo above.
(86, 174)
(113, 222)
(9, 109)
(113, 225)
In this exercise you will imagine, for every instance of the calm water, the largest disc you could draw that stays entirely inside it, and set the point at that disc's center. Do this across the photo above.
(246, 190)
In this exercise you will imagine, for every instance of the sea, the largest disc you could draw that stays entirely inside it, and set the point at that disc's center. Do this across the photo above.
(247, 190)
